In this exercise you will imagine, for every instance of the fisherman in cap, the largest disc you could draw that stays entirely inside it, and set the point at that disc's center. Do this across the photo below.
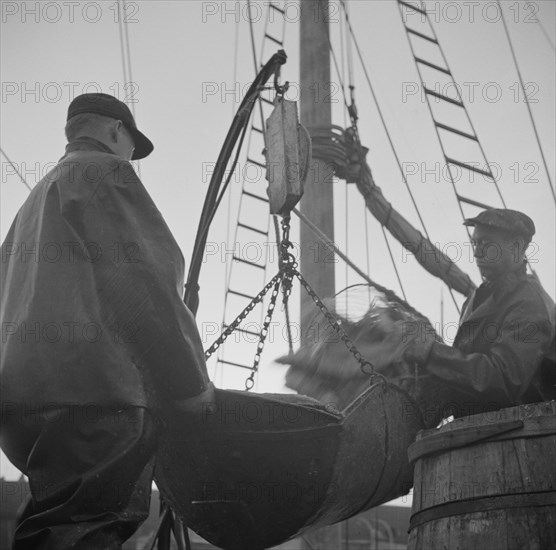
(503, 353)
(97, 342)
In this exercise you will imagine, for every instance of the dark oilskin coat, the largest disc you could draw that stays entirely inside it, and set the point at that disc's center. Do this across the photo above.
(92, 281)
(503, 352)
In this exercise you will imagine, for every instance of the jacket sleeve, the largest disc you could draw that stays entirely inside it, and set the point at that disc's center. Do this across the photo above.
(507, 357)
(137, 269)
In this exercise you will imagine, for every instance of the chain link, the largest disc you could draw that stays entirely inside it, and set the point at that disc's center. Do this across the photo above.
(366, 366)
(250, 381)
(284, 277)
(230, 328)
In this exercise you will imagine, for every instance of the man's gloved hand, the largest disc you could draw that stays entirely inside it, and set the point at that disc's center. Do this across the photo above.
(420, 340)
(418, 352)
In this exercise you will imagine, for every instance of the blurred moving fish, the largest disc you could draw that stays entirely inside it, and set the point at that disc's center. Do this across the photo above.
(324, 368)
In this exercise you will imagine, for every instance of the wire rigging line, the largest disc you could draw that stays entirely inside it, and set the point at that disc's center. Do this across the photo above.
(229, 211)
(346, 195)
(124, 37)
(16, 169)
(349, 49)
(342, 55)
(390, 141)
(255, 64)
(393, 261)
(245, 133)
(390, 294)
(348, 110)
(546, 35)
(125, 50)
(351, 82)
(383, 121)
(367, 241)
(122, 41)
(336, 66)
(506, 30)
(252, 32)
(423, 10)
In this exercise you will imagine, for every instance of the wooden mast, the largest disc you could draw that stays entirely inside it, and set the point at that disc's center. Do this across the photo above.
(317, 261)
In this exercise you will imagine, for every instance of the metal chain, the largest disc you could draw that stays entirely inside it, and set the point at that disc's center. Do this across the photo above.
(284, 277)
(230, 328)
(250, 381)
(289, 264)
(334, 323)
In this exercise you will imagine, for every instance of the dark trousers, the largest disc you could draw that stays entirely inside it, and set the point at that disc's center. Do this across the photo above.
(90, 472)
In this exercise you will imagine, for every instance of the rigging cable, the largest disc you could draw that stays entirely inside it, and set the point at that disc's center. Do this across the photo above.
(252, 32)
(383, 121)
(242, 208)
(543, 30)
(460, 99)
(122, 41)
(229, 212)
(423, 10)
(350, 109)
(393, 261)
(351, 80)
(390, 294)
(228, 274)
(16, 170)
(390, 141)
(255, 63)
(546, 34)
(346, 194)
(506, 30)
(126, 62)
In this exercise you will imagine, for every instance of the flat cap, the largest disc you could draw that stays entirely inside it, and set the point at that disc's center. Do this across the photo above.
(107, 105)
(510, 221)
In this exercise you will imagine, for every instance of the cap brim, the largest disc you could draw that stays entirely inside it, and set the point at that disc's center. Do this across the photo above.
(143, 145)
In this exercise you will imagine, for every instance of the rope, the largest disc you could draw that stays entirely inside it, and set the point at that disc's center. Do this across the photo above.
(16, 170)
(506, 30)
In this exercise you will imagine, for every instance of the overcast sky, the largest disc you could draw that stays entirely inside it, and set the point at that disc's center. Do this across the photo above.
(191, 63)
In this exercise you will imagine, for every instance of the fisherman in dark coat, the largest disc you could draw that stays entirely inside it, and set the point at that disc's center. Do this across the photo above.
(96, 340)
(503, 353)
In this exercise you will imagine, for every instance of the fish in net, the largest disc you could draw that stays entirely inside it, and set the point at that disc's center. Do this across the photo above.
(381, 328)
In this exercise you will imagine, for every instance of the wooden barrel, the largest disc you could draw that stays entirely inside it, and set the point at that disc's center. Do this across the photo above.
(487, 481)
